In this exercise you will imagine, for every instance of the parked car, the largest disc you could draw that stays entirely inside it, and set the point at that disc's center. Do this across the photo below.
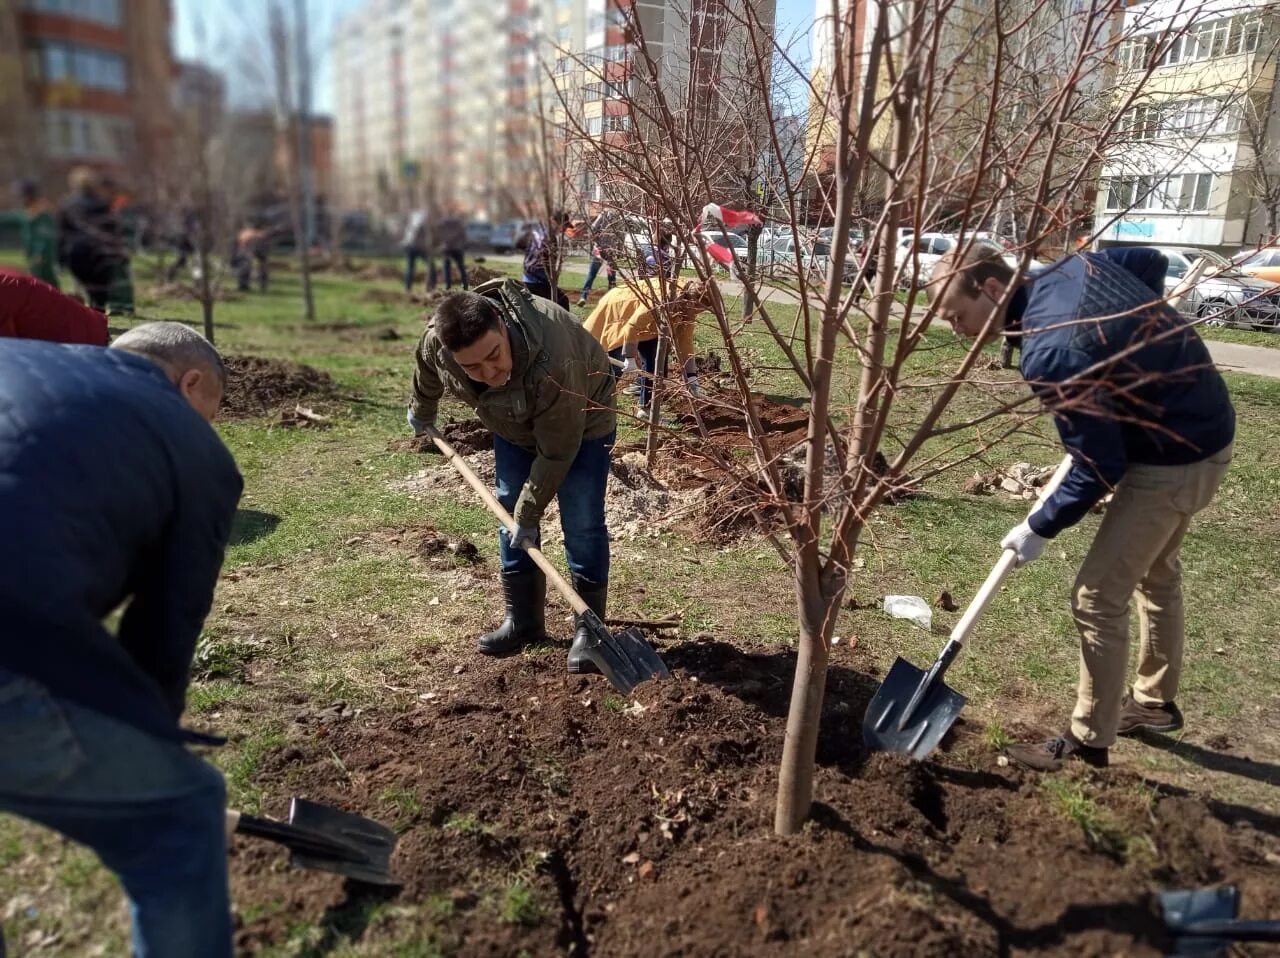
(733, 241)
(1224, 295)
(479, 234)
(927, 248)
(1264, 264)
(783, 259)
(505, 236)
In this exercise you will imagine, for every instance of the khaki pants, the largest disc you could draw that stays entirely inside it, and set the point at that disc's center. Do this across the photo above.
(1136, 550)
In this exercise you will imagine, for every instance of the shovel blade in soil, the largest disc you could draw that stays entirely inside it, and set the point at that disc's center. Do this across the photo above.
(625, 658)
(361, 847)
(883, 728)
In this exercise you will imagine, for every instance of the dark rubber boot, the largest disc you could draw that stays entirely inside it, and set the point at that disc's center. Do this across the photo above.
(594, 595)
(525, 622)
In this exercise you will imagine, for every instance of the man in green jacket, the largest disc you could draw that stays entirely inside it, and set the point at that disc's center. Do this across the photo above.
(39, 233)
(541, 384)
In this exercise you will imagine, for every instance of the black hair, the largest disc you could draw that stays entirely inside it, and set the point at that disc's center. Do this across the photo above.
(462, 318)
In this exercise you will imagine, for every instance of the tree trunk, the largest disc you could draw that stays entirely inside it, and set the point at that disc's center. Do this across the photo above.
(800, 749)
(302, 180)
(655, 400)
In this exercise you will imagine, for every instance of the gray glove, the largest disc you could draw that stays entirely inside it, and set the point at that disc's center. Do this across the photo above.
(525, 537)
(419, 426)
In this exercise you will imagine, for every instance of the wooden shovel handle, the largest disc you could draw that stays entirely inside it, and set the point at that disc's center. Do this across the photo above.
(1005, 564)
(490, 500)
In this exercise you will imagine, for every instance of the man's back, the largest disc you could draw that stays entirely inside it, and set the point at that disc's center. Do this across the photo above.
(111, 487)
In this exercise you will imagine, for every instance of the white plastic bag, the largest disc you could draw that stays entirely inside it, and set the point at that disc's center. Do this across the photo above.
(910, 607)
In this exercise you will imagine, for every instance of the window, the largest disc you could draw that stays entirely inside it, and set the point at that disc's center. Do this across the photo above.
(1208, 40)
(595, 125)
(75, 134)
(1177, 268)
(614, 124)
(85, 66)
(591, 93)
(1133, 54)
(616, 52)
(1193, 195)
(106, 12)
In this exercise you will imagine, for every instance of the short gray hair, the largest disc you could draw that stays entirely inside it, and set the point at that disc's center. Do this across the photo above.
(175, 346)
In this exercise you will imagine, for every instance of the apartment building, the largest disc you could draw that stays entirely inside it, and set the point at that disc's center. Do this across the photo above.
(86, 82)
(455, 101)
(1184, 168)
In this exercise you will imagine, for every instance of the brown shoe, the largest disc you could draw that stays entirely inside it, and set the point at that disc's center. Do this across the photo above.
(1158, 718)
(1050, 756)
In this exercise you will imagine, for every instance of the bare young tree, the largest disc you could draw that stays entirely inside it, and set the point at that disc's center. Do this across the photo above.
(927, 122)
(287, 116)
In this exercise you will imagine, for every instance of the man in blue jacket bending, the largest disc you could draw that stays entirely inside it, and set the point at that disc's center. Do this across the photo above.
(115, 489)
(1142, 410)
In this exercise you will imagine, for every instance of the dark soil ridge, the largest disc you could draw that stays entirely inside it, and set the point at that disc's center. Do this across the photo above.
(257, 386)
(647, 831)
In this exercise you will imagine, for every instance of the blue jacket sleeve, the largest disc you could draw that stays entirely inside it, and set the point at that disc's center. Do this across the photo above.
(1092, 437)
(1149, 265)
(175, 590)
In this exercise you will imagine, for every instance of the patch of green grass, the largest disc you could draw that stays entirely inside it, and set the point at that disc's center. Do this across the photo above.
(209, 696)
(1248, 337)
(468, 824)
(78, 867)
(519, 906)
(240, 763)
(995, 737)
(1103, 833)
(406, 802)
(613, 703)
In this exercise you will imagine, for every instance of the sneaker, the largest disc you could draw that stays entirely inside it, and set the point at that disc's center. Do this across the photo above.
(632, 390)
(1158, 718)
(1050, 756)
(582, 301)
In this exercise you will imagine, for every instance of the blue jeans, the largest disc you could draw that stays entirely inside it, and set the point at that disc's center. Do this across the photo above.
(451, 256)
(581, 498)
(594, 270)
(152, 811)
(411, 257)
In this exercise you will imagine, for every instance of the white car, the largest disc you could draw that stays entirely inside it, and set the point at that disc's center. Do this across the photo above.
(1224, 295)
(919, 254)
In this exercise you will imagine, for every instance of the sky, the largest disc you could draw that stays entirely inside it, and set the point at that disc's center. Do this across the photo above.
(233, 43)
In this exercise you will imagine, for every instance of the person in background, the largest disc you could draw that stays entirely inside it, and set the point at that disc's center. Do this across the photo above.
(39, 233)
(541, 385)
(632, 315)
(252, 248)
(32, 309)
(453, 243)
(90, 242)
(541, 247)
(605, 241)
(1143, 411)
(116, 491)
(414, 243)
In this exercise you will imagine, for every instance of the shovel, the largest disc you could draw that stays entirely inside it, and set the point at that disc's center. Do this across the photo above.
(1202, 921)
(325, 838)
(624, 658)
(913, 709)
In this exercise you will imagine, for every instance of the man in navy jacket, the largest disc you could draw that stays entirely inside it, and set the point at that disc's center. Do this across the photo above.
(1144, 413)
(114, 489)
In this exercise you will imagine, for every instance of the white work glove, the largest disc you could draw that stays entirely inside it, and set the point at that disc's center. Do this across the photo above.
(1023, 540)
(419, 426)
(525, 537)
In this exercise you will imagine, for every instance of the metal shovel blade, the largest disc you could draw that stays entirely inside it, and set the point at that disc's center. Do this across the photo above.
(361, 848)
(625, 658)
(883, 727)
(1183, 909)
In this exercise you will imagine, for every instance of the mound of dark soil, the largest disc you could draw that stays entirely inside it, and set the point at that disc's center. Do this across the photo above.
(258, 387)
(482, 274)
(541, 813)
(467, 436)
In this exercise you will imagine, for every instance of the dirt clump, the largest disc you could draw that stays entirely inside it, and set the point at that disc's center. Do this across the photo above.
(554, 816)
(188, 292)
(382, 296)
(478, 274)
(257, 386)
(428, 544)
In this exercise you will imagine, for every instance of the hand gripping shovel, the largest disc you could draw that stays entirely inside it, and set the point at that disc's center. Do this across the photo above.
(624, 658)
(325, 838)
(1203, 921)
(912, 709)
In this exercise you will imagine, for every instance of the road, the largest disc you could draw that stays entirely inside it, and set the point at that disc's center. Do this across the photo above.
(1233, 357)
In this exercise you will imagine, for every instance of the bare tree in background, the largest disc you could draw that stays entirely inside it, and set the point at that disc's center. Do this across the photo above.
(286, 117)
